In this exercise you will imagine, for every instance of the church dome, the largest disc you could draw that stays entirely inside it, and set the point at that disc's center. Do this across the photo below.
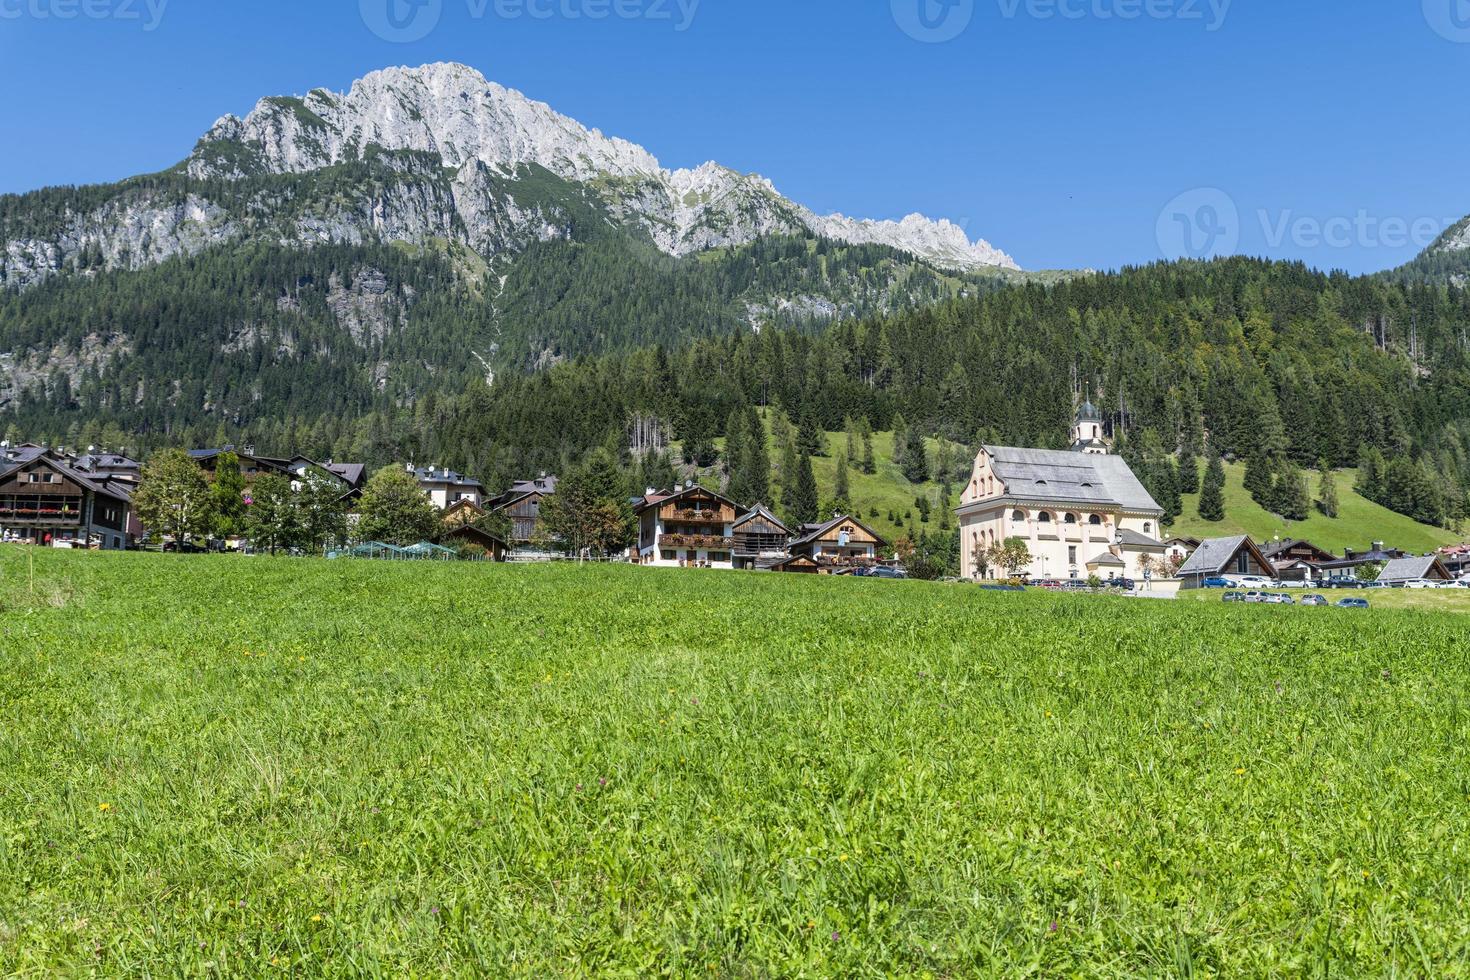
(1089, 413)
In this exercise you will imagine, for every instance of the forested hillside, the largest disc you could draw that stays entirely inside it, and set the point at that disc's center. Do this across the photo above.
(1240, 358)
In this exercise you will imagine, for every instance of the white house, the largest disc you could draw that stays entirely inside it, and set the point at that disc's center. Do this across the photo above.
(446, 488)
(1081, 511)
(689, 527)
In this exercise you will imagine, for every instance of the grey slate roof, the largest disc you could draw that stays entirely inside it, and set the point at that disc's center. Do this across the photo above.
(1109, 559)
(1408, 569)
(1211, 557)
(1070, 477)
(1137, 540)
(814, 532)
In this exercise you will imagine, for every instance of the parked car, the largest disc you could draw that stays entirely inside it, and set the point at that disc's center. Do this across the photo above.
(1353, 603)
(1234, 597)
(1253, 582)
(889, 573)
(1279, 599)
(1126, 584)
(1254, 597)
(1421, 583)
(1314, 600)
(1218, 583)
(1303, 584)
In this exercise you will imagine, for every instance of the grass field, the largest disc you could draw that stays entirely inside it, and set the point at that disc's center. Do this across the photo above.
(1359, 523)
(232, 766)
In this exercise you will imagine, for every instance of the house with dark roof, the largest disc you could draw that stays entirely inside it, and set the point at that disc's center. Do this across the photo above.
(840, 545)
(688, 527)
(45, 500)
(1425, 568)
(109, 466)
(1225, 558)
(1456, 558)
(522, 504)
(1296, 561)
(445, 487)
(1079, 511)
(1348, 567)
(762, 540)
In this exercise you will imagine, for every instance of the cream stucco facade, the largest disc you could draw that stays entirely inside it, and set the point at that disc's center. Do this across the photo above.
(1081, 512)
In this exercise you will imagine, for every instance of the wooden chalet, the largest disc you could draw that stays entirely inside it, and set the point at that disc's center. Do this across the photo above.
(843, 543)
(495, 547)
(522, 504)
(689, 527)
(252, 466)
(762, 541)
(1220, 557)
(800, 565)
(43, 500)
(1296, 561)
(1425, 568)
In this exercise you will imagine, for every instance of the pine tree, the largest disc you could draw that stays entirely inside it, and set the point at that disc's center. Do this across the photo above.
(810, 439)
(1188, 473)
(800, 498)
(1372, 475)
(1327, 492)
(841, 490)
(850, 429)
(1212, 492)
(1166, 487)
(757, 459)
(1258, 479)
(915, 458)
(900, 439)
(870, 463)
(735, 455)
(1293, 498)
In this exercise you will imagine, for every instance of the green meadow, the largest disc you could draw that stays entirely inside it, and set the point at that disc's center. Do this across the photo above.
(251, 767)
(1359, 522)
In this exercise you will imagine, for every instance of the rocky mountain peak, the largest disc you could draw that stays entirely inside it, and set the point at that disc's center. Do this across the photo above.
(453, 112)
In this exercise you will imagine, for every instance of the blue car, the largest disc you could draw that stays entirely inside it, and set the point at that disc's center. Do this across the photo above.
(1218, 583)
(1353, 604)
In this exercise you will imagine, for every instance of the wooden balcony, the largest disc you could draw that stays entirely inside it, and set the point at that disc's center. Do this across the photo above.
(46, 510)
(717, 515)
(697, 542)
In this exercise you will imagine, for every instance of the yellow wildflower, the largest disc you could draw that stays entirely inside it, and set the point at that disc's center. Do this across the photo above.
(104, 807)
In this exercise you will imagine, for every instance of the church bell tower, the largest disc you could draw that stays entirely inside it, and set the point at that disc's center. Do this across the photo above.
(1087, 431)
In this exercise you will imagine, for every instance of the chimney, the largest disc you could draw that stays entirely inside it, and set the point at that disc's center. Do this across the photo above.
(1378, 546)
(650, 491)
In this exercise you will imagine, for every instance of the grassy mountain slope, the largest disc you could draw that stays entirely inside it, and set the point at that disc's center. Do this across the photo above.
(886, 491)
(1359, 524)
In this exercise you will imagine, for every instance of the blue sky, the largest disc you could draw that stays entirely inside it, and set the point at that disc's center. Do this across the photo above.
(1059, 130)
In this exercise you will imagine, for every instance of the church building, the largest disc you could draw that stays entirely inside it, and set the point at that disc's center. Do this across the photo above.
(1081, 511)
